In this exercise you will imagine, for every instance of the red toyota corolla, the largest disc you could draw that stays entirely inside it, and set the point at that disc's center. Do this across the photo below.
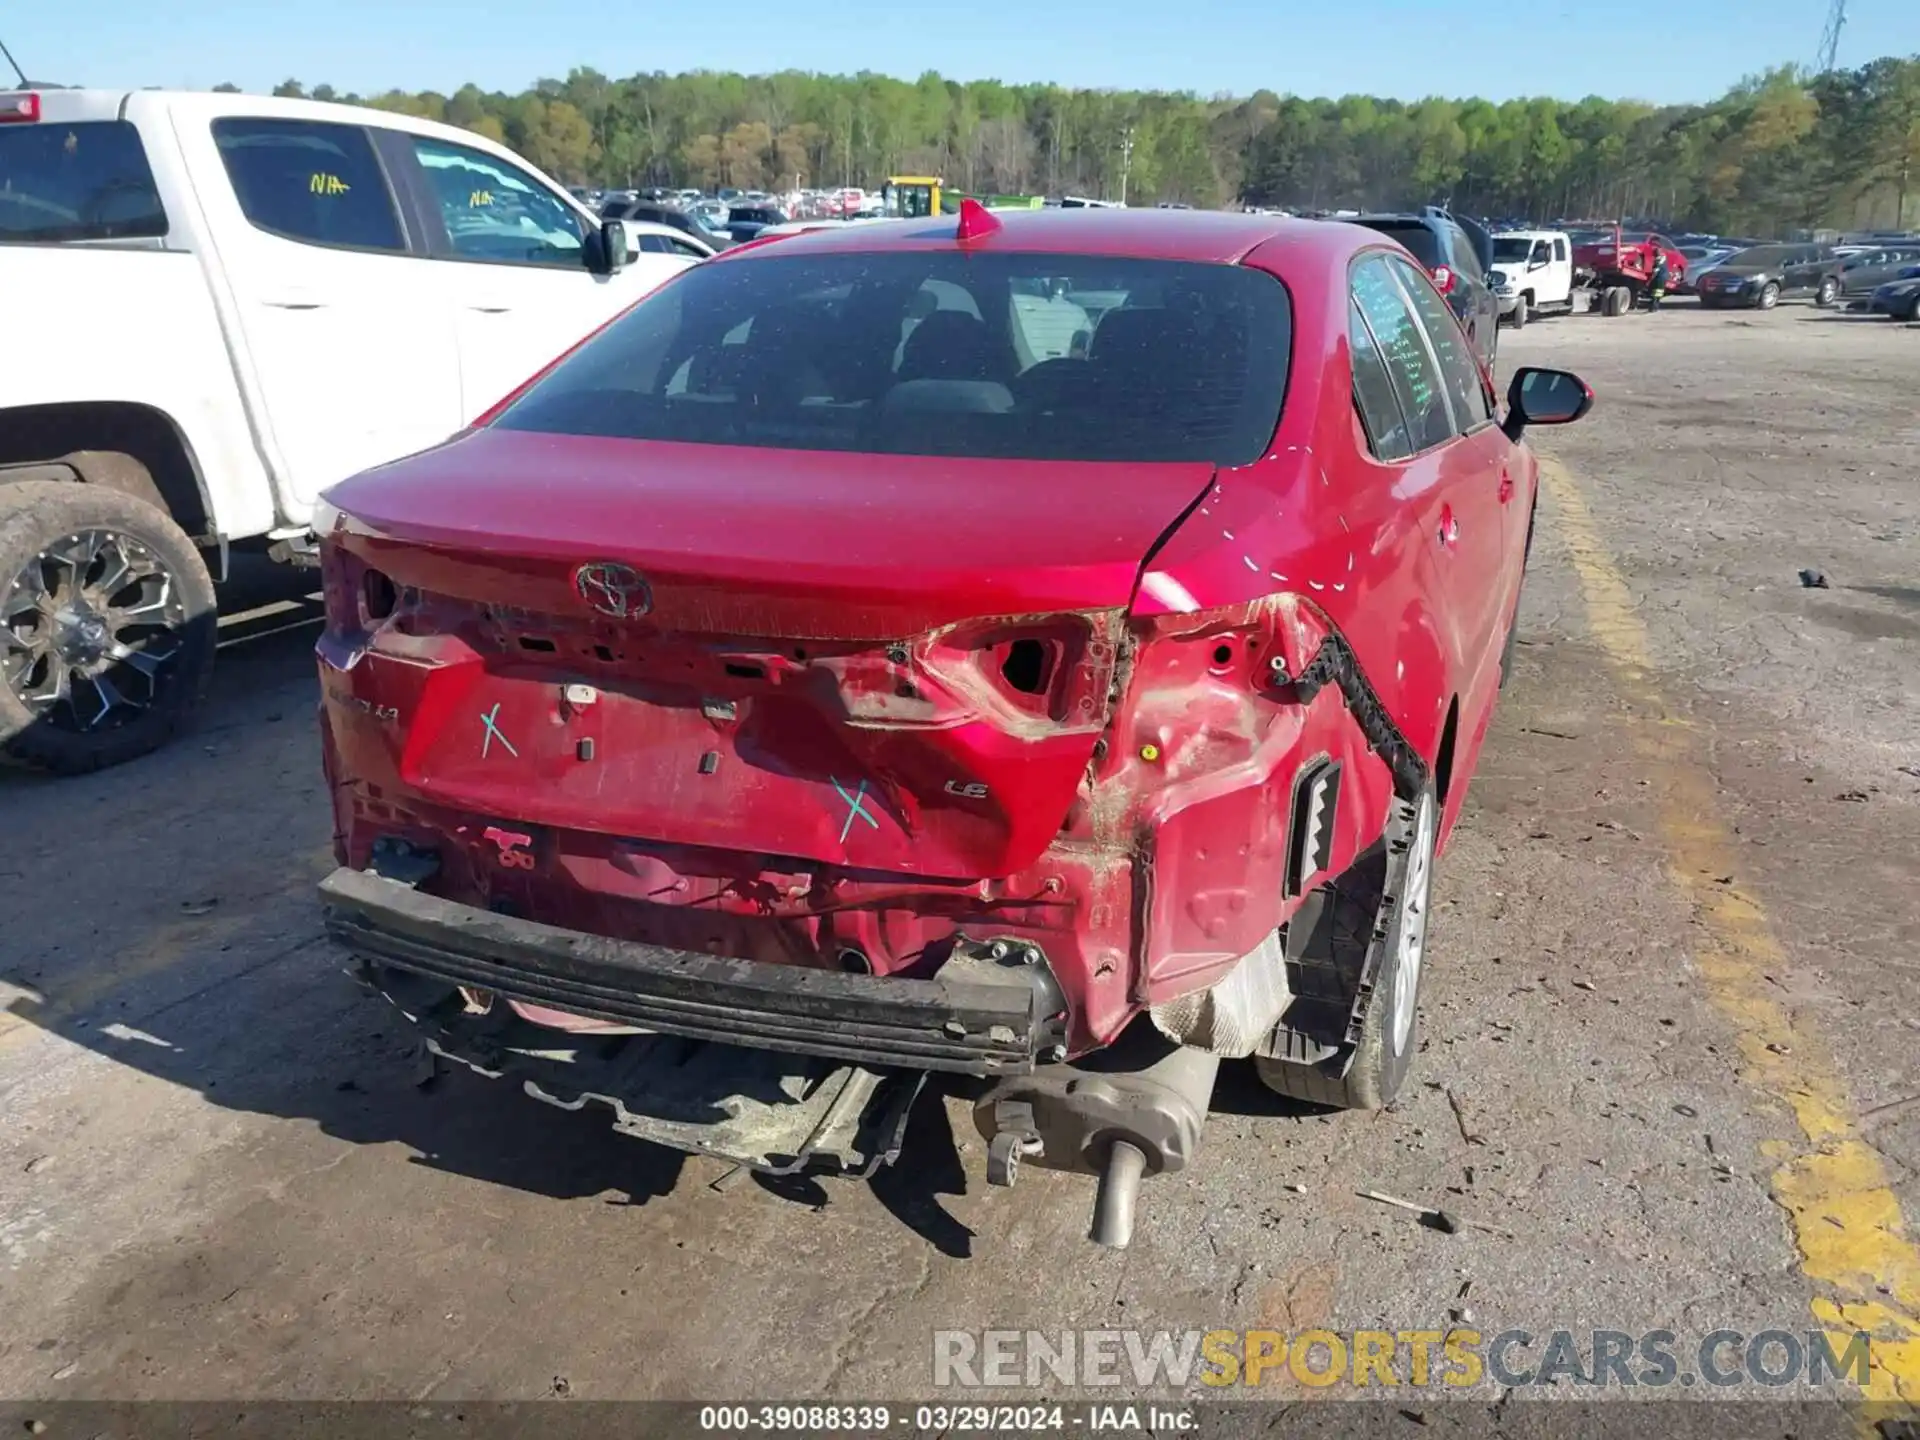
(927, 647)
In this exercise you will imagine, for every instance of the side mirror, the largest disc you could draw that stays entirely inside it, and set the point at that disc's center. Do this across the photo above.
(1544, 397)
(606, 248)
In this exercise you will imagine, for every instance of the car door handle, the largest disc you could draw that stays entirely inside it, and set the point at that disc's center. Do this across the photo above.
(294, 300)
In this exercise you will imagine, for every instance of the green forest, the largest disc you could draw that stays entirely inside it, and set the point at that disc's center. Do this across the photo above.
(1780, 152)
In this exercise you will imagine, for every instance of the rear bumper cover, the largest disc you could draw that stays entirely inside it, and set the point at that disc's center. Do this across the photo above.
(975, 1016)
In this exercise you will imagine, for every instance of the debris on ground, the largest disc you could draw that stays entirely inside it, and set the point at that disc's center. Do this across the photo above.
(198, 907)
(1814, 579)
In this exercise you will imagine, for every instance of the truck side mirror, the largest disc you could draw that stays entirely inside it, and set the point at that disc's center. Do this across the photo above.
(606, 248)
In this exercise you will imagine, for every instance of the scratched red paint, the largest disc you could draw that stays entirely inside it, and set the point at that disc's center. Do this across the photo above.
(823, 621)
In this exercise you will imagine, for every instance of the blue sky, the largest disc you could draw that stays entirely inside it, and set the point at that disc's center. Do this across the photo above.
(1405, 48)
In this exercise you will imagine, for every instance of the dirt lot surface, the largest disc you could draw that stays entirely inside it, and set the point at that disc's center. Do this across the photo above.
(1672, 1028)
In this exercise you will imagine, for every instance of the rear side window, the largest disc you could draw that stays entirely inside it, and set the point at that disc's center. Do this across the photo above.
(1417, 381)
(85, 181)
(310, 181)
(1471, 403)
(1465, 261)
(1422, 242)
(934, 352)
(1373, 393)
(1559, 249)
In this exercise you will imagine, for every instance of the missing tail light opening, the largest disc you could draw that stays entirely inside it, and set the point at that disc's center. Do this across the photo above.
(378, 597)
(1027, 666)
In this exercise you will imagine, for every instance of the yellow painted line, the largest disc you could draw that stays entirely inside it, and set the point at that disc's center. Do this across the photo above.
(1854, 1245)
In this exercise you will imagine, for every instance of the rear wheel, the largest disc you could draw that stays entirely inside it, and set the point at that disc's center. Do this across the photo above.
(107, 626)
(1619, 300)
(1396, 952)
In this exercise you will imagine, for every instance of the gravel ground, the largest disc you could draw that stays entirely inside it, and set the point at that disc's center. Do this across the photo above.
(218, 1181)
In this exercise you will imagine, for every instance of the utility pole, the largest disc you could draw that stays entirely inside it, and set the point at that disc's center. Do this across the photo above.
(1830, 36)
(1126, 161)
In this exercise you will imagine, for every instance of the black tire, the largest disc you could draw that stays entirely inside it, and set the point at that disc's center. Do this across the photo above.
(1913, 310)
(1619, 299)
(1519, 317)
(1390, 1028)
(1769, 295)
(158, 608)
(1828, 293)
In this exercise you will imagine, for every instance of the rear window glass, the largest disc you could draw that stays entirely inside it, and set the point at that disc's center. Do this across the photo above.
(86, 181)
(933, 352)
(1421, 241)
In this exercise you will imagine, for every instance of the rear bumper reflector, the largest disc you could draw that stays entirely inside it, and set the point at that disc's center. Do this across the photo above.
(987, 1021)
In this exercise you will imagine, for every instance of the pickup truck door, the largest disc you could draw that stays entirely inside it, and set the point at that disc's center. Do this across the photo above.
(351, 358)
(511, 262)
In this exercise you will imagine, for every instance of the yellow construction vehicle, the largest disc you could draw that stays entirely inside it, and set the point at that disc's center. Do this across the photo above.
(911, 197)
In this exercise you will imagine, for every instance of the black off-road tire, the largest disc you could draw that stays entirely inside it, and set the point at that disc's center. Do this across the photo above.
(1619, 300)
(37, 514)
(1379, 1066)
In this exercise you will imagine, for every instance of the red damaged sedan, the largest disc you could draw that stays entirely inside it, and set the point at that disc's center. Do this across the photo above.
(934, 647)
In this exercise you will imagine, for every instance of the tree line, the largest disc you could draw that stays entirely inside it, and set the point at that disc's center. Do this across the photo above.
(1784, 151)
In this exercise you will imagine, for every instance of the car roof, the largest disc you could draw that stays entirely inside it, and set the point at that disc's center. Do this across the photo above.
(653, 227)
(1210, 236)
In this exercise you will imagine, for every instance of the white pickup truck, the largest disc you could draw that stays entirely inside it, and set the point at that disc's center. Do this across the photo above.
(214, 307)
(1533, 274)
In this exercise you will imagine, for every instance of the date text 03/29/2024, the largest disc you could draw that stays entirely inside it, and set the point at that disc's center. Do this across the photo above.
(1101, 1419)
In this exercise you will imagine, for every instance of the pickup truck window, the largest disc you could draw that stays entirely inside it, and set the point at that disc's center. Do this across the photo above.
(310, 181)
(87, 181)
(496, 211)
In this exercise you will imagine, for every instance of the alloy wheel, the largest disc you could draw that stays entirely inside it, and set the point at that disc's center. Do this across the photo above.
(88, 629)
(1410, 949)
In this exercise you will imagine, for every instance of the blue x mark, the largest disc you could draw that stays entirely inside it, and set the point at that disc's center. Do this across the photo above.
(491, 721)
(856, 805)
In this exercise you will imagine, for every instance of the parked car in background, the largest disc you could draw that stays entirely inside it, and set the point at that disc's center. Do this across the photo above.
(744, 221)
(1761, 277)
(1858, 275)
(656, 212)
(646, 238)
(1700, 259)
(293, 291)
(960, 793)
(1899, 297)
(1457, 253)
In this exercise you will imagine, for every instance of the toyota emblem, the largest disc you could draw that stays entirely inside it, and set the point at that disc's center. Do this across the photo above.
(613, 589)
